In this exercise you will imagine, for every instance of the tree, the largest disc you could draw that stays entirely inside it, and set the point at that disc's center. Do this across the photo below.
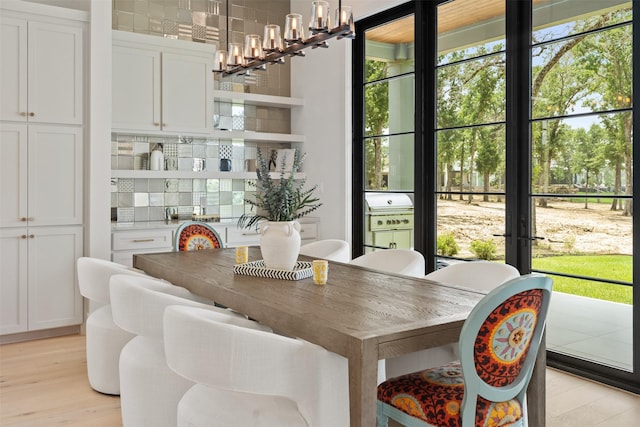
(488, 157)
(376, 120)
(608, 56)
(561, 89)
(449, 92)
(570, 72)
(469, 94)
(589, 156)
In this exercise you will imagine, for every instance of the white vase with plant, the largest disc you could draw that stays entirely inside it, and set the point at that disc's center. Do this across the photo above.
(279, 203)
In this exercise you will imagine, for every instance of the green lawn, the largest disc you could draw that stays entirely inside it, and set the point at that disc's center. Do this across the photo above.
(612, 267)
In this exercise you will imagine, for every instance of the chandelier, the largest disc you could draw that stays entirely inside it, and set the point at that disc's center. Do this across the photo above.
(273, 48)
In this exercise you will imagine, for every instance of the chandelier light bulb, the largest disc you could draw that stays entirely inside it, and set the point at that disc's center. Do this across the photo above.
(252, 47)
(220, 60)
(272, 40)
(319, 16)
(235, 55)
(293, 28)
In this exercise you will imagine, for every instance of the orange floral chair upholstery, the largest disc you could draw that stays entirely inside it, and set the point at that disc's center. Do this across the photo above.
(499, 343)
(194, 235)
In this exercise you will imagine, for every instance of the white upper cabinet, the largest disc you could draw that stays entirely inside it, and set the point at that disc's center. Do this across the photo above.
(41, 79)
(161, 85)
(187, 86)
(136, 88)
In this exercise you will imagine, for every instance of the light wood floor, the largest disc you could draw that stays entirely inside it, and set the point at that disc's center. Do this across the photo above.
(44, 383)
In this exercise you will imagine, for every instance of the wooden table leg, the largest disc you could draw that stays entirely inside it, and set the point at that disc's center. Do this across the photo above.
(363, 377)
(536, 393)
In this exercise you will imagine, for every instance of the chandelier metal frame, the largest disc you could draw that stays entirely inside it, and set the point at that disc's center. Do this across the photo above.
(293, 48)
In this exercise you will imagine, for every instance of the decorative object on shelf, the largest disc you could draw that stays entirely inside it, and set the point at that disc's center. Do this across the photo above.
(257, 52)
(285, 157)
(278, 204)
(225, 158)
(156, 161)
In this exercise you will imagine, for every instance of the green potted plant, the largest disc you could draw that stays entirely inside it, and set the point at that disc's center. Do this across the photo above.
(278, 204)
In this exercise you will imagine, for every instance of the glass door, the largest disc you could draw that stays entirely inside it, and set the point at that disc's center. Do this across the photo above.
(582, 181)
(388, 135)
(470, 132)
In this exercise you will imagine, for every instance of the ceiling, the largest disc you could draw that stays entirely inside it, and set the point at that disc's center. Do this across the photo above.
(451, 16)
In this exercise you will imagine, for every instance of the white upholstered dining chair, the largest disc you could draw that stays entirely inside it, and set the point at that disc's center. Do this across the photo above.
(149, 390)
(250, 378)
(329, 249)
(481, 275)
(400, 261)
(104, 339)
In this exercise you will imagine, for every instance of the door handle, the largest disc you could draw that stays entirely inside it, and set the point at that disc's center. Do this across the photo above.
(531, 238)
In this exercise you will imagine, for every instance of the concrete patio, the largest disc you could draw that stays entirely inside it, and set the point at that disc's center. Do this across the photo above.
(591, 329)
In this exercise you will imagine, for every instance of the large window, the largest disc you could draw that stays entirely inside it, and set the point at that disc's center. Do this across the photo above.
(470, 134)
(516, 145)
(582, 182)
(388, 135)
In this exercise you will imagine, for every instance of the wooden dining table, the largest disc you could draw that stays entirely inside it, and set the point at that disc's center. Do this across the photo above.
(362, 314)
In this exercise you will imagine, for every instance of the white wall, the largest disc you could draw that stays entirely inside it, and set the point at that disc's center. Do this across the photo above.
(323, 80)
(69, 4)
(98, 173)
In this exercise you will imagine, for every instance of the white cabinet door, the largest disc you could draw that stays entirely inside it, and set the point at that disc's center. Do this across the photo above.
(55, 73)
(54, 297)
(42, 72)
(13, 174)
(55, 175)
(136, 88)
(41, 175)
(13, 280)
(187, 83)
(13, 74)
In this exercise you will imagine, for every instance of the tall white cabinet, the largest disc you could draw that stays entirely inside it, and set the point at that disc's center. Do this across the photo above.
(42, 138)
(41, 71)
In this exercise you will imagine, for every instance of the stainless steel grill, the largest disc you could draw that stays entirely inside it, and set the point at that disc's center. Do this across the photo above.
(389, 220)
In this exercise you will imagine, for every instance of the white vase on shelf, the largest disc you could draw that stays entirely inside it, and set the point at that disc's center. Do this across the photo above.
(156, 160)
(280, 244)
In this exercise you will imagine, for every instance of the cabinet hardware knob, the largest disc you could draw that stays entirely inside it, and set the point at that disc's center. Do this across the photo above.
(164, 125)
(31, 236)
(23, 114)
(23, 219)
(156, 124)
(31, 114)
(24, 236)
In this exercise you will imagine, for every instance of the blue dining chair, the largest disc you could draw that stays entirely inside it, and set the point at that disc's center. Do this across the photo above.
(499, 343)
(196, 235)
